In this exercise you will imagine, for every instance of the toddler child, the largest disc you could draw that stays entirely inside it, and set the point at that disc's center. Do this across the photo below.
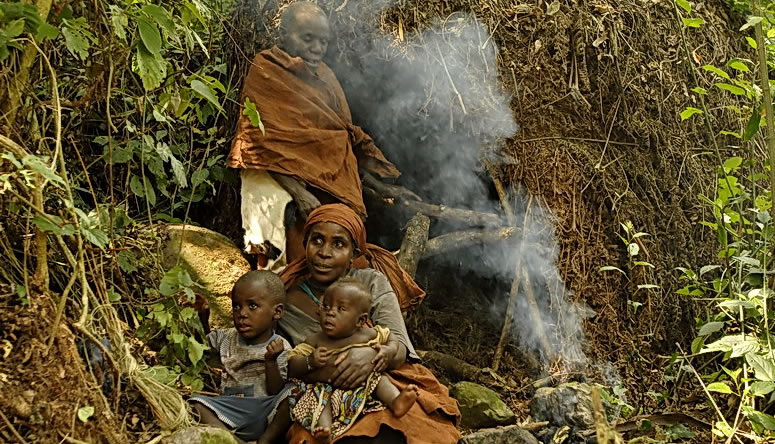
(255, 362)
(344, 314)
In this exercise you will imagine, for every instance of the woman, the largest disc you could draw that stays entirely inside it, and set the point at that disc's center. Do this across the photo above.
(335, 246)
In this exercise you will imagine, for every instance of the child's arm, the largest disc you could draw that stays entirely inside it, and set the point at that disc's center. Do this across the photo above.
(299, 366)
(274, 380)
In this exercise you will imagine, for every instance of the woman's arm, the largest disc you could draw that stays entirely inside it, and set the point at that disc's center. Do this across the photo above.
(303, 198)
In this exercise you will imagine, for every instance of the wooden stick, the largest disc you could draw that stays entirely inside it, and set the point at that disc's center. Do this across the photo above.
(461, 239)
(535, 313)
(474, 218)
(414, 243)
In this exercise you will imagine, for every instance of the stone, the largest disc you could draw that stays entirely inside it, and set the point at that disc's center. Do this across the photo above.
(201, 435)
(568, 404)
(480, 406)
(212, 260)
(512, 434)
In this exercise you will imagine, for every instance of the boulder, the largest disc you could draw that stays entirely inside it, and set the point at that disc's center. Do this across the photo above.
(567, 404)
(512, 434)
(212, 260)
(201, 435)
(480, 406)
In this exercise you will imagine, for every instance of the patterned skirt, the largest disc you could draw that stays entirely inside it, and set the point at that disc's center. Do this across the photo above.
(308, 400)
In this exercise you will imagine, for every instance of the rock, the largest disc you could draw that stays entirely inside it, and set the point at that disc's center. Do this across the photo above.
(212, 260)
(567, 404)
(502, 435)
(480, 406)
(201, 435)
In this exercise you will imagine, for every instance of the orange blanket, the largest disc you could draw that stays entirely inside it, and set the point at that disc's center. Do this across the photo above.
(309, 132)
(432, 419)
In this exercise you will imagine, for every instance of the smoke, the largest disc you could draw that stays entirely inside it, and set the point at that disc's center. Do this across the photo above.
(435, 106)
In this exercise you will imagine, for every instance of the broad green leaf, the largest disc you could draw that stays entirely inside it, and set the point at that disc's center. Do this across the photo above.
(127, 261)
(678, 431)
(136, 185)
(693, 22)
(752, 127)
(708, 268)
(738, 65)
(763, 419)
(761, 388)
(119, 21)
(700, 90)
(205, 91)
(736, 304)
(710, 328)
(719, 387)
(149, 35)
(762, 365)
(643, 264)
(732, 164)
(84, 413)
(163, 375)
(46, 225)
(750, 345)
(697, 344)
(14, 28)
(684, 5)
(151, 67)
(95, 235)
(46, 31)
(736, 90)
(251, 111)
(198, 177)
(751, 42)
(161, 15)
(724, 344)
(78, 38)
(195, 350)
(716, 71)
(179, 172)
(690, 111)
(752, 21)
(36, 164)
(730, 133)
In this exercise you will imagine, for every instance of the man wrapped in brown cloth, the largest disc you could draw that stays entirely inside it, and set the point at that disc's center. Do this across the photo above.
(309, 150)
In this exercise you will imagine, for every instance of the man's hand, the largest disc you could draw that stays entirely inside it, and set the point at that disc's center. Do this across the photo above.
(273, 350)
(385, 354)
(319, 357)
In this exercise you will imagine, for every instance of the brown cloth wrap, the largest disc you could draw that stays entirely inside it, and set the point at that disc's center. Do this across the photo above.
(409, 294)
(434, 417)
(308, 126)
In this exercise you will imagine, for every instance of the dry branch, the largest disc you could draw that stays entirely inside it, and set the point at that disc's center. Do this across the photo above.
(414, 244)
(474, 218)
(461, 239)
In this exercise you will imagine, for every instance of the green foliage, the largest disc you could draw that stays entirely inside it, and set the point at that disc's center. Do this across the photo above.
(178, 325)
(734, 333)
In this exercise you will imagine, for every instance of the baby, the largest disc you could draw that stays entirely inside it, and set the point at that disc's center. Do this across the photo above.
(344, 313)
(255, 360)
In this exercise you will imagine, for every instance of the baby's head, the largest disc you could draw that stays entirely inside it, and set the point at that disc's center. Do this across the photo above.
(344, 308)
(257, 300)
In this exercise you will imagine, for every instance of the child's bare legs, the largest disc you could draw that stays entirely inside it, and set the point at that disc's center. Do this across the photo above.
(206, 416)
(323, 430)
(279, 425)
(398, 401)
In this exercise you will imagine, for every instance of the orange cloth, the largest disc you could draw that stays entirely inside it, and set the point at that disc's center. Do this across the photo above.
(309, 129)
(432, 419)
(409, 294)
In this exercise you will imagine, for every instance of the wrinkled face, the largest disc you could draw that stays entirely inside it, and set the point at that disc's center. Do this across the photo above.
(306, 36)
(253, 312)
(341, 311)
(329, 252)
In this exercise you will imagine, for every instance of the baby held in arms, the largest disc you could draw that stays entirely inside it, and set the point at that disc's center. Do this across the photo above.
(344, 317)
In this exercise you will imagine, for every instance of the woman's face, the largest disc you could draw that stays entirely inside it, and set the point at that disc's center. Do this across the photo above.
(329, 252)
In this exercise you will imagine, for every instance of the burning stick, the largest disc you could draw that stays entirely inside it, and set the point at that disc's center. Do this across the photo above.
(519, 273)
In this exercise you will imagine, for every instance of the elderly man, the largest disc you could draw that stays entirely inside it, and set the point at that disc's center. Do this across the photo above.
(308, 151)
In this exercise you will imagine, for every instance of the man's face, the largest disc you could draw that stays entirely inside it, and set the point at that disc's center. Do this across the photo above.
(306, 36)
(253, 312)
(341, 311)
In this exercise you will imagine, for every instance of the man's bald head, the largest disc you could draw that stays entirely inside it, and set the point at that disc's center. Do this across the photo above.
(304, 32)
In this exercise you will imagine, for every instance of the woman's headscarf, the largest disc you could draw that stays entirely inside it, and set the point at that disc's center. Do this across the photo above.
(408, 292)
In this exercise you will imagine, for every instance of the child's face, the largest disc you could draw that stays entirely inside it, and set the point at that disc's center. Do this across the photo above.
(253, 312)
(341, 312)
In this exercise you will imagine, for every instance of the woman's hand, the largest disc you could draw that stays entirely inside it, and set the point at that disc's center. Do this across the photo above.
(353, 367)
(385, 354)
